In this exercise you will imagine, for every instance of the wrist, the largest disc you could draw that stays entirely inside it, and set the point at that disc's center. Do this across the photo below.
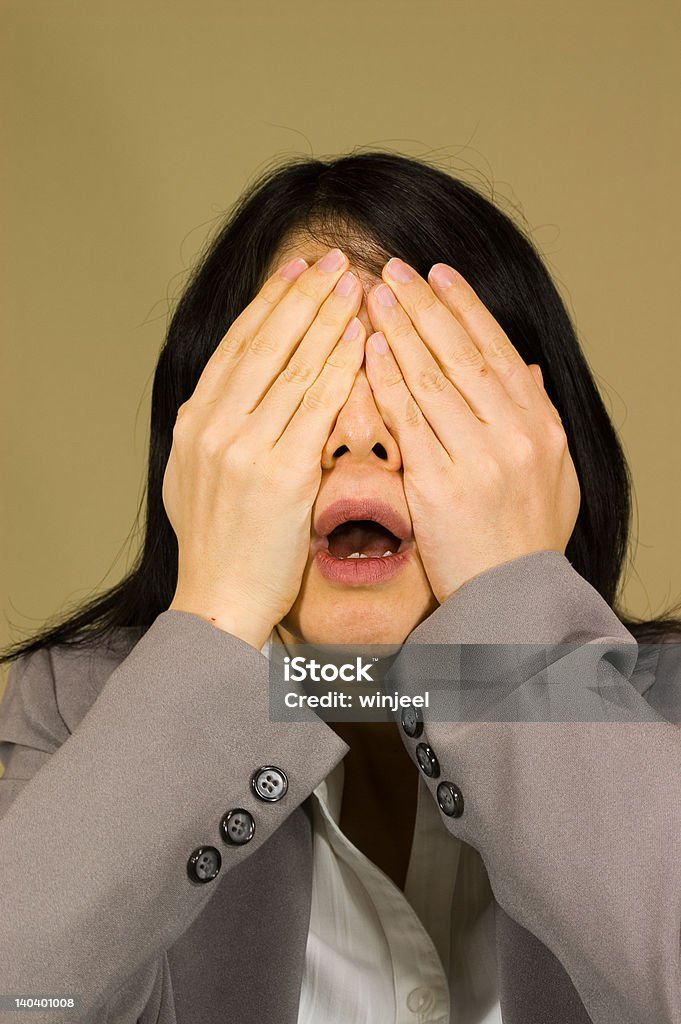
(233, 619)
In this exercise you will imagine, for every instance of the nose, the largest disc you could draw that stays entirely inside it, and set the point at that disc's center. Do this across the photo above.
(359, 434)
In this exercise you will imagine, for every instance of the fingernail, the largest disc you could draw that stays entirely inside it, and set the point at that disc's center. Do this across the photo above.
(293, 268)
(351, 330)
(332, 261)
(402, 272)
(346, 285)
(385, 296)
(378, 343)
(442, 275)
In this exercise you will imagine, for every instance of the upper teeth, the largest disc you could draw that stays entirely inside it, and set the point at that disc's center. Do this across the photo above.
(356, 554)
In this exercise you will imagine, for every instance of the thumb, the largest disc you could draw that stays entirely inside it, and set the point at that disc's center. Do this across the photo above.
(537, 374)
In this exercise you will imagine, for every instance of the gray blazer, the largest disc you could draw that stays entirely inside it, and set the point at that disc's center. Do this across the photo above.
(121, 761)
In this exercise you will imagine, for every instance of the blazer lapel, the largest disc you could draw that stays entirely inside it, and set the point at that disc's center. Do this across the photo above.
(534, 987)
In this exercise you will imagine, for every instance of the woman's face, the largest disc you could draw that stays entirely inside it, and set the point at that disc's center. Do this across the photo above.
(361, 459)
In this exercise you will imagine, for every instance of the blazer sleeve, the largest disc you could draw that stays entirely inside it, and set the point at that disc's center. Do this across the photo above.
(97, 826)
(578, 819)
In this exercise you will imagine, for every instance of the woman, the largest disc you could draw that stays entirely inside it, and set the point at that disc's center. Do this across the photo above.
(361, 344)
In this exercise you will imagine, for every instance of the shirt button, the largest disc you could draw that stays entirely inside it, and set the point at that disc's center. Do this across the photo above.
(237, 827)
(204, 864)
(412, 722)
(450, 799)
(427, 760)
(269, 783)
(421, 1000)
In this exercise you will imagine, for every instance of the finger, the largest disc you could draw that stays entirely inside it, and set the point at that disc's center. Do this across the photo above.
(215, 373)
(461, 360)
(537, 374)
(494, 344)
(443, 401)
(312, 422)
(335, 315)
(399, 409)
(271, 346)
(539, 380)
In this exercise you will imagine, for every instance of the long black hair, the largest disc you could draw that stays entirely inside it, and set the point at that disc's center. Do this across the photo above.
(373, 205)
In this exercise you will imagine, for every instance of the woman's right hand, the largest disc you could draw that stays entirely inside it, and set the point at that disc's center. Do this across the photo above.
(245, 465)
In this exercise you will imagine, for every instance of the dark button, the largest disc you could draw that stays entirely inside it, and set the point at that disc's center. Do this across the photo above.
(237, 826)
(450, 799)
(427, 760)
(204, 864)
(269, 783)
(412, 722)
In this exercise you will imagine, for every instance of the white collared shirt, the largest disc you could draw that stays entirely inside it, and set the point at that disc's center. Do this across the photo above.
(375, 953)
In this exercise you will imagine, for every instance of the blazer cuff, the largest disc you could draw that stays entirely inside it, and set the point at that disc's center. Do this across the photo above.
(535, 599)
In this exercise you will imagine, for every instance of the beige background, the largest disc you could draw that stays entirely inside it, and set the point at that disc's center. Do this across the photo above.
(130, 127)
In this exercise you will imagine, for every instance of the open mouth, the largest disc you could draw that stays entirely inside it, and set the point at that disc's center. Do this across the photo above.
(362, 538)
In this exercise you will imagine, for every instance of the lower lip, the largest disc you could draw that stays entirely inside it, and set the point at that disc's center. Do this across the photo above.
(360, 572)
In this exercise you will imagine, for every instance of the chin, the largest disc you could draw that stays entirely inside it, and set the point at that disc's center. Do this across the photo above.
(357, 635)
(354, 618)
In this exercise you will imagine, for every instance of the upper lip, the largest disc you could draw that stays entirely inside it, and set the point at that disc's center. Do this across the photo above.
(362, 508)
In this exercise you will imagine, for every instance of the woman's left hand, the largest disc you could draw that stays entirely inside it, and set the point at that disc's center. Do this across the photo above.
(487, 472)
